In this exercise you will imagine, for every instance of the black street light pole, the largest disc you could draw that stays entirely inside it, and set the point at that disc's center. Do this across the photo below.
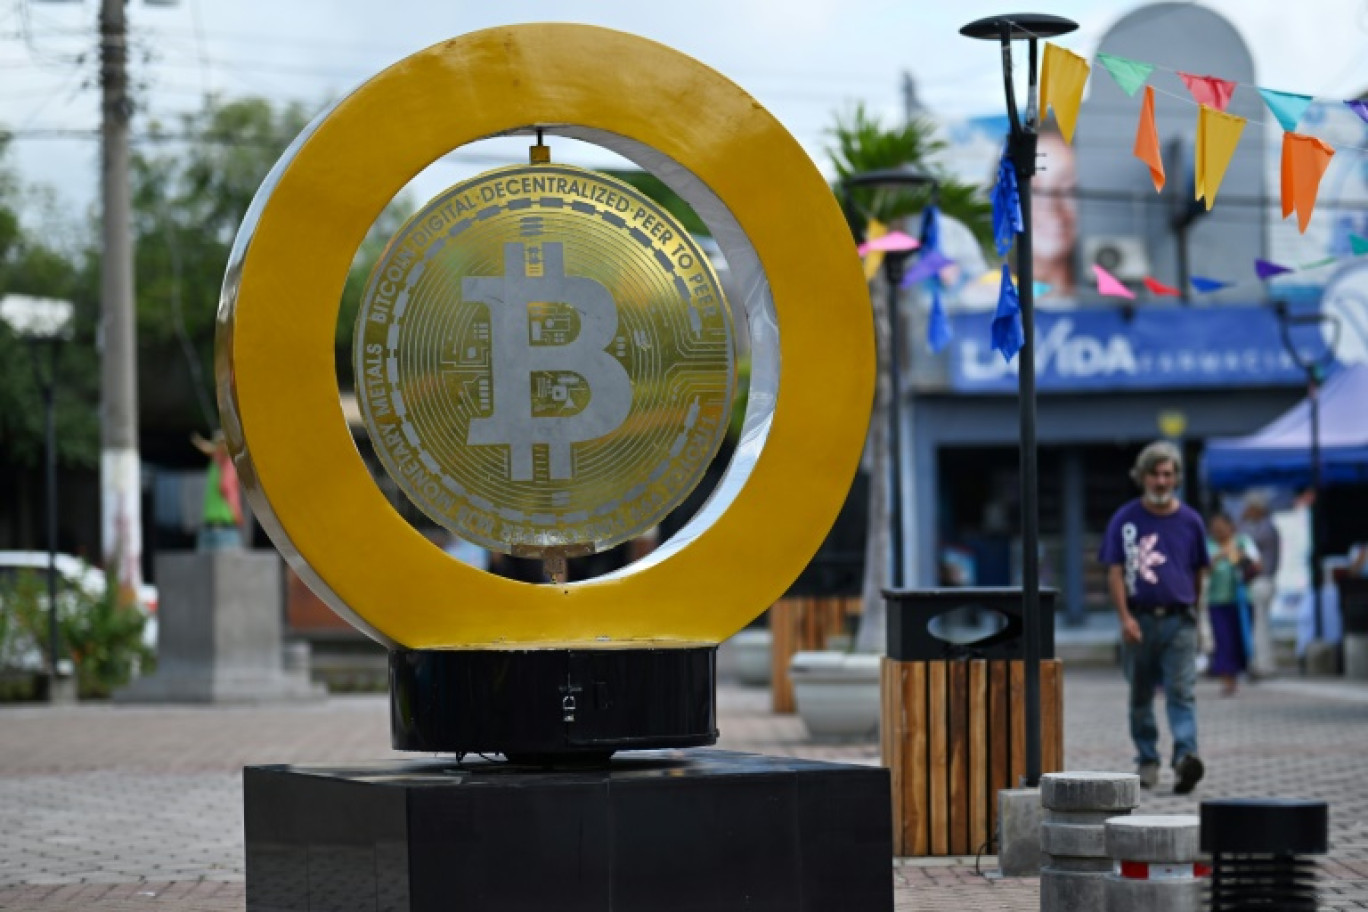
(894, 266)
(50, 434)
(1314, 366)
(1021, 149)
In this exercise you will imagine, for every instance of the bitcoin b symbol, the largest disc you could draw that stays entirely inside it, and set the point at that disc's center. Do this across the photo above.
(544, 360)
(520, 352)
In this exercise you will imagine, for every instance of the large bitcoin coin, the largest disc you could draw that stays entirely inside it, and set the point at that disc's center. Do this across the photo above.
(544, 359)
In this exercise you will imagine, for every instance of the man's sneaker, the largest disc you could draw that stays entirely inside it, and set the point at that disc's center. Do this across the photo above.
(1149, 774)
(1189, 771)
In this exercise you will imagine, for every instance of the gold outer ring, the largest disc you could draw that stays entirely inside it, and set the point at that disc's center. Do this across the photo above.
(278, 388)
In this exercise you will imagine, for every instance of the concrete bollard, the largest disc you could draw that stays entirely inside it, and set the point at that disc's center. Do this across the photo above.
(1076, 865)
(1155, 864)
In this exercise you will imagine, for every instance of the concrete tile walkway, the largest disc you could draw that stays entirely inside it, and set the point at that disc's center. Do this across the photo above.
(110, 808)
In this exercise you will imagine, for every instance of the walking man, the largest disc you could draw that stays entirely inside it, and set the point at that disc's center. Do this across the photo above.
(1156, 556)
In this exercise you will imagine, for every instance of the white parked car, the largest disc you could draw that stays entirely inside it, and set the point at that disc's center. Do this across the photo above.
(73, 572)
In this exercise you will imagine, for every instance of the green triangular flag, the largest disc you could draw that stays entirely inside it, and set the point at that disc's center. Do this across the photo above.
(1130, 75)
(1317, 264)
(1358, 244)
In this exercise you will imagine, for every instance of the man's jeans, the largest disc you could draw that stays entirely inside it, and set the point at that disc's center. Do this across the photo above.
(1167, 653)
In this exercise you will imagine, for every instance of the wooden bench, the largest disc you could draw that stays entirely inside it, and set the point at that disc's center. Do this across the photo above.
(799, 624)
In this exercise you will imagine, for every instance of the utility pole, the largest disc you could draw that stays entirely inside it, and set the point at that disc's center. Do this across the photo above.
(120, 465)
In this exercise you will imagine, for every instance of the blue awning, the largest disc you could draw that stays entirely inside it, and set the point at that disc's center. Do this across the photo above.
(1280, 454)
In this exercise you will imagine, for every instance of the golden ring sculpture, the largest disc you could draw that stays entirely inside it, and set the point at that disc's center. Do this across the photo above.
(804, 298)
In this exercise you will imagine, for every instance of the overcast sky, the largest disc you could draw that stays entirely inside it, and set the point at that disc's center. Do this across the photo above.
(803, 59)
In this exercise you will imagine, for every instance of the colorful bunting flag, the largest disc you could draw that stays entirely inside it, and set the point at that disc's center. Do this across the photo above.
(1288, 108)
(1208, 90)
(1267, 270)
(1204, 284)
(1108, 284)
(1360, 108)
(1304, 160)
(1317, 264)
(1006, 206)
(1218, 134)
(1062, 77)
(1130, 75)
(1159, 288)
(931, 262)
(892, 242)
(938, 333)
(1147, 141)
(1358, 244)
(927, 266)
(873, 229)
(1008, 335)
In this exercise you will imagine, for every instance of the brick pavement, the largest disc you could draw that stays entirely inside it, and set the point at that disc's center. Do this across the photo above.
(112, 808)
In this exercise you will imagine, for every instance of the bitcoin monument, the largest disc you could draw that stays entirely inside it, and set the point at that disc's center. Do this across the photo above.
(546, 365)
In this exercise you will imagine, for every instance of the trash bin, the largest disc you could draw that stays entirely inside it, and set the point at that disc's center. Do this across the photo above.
(953, 727)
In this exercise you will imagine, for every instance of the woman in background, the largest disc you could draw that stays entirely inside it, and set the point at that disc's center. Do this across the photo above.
(1234, 561)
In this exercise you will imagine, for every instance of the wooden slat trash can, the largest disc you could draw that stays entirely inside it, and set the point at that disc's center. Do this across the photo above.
(953, 729)
(800, 624)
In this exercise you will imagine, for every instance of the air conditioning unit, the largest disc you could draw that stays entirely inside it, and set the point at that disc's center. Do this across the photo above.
(1123, 257)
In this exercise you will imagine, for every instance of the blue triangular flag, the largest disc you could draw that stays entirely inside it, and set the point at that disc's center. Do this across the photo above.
(1287, 107)
(1006, 206)
(1008, 335)
(1204, 284)
(938, 332)
(930, 228)
(1268, 270)
(1360, 108)
(928, 267)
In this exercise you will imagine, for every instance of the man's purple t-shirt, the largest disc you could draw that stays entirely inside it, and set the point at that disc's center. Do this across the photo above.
(1160, 555)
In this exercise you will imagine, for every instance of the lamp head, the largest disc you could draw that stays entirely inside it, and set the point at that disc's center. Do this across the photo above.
(1021, 26)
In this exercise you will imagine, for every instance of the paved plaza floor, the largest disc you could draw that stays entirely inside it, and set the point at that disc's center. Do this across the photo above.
(108, 808)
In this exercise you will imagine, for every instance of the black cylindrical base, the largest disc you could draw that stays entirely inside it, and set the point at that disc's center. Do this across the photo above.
(552, 705)
(1257, 847)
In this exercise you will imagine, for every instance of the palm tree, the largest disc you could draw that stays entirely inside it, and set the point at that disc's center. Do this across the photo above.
(863, 144)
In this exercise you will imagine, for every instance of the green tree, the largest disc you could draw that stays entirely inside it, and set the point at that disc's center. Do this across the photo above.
(33, 264)
(863, 144)
(189, 201)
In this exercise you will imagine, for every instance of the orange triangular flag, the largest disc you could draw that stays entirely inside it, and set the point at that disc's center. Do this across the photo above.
(1218, 133)
(1147, 141)
(1062, 77)
(1304, 160)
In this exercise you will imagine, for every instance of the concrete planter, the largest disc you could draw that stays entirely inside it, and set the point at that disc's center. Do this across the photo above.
(751, 657)
(837, 694)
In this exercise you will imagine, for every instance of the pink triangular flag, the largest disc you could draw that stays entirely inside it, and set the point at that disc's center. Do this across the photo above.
(1209, 90)
(893, 242)
(1109, 284)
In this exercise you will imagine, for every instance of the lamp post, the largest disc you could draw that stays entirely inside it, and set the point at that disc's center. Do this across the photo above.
(45, 323)
(120, 462)
(1021, 148)
(1314, 366)
(894, 268)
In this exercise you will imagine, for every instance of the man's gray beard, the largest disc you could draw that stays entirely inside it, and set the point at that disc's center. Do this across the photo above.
(1159, 500)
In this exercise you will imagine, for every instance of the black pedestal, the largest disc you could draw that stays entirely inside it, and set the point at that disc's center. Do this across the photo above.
(552, 704)
(662, 831)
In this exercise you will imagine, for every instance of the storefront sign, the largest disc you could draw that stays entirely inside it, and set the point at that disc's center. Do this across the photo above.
(1085, 350)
